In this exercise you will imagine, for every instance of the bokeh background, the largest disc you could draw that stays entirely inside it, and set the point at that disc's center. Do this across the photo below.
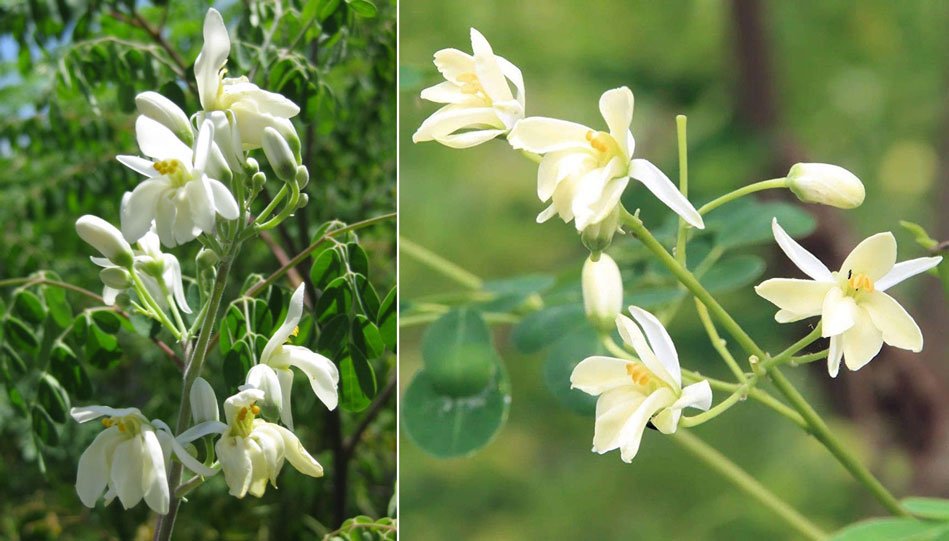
(69, 72)
(765, 84)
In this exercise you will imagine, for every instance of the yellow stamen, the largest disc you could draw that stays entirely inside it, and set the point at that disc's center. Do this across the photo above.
(167, 167)
(121, 426)
(296, 331)
(108, 423)
(255, 409)
(468, 77)
(859, 282)
(242, 414)
(603, 142)
(638, 373)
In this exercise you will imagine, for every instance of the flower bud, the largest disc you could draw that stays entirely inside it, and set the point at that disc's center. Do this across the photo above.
(279, 155)
(286, 130)
(257, 181)
(207, 258)
(115, 278)
(165, 112)
(602, 292)
(597, 237)
(105, 238)
(251, 167)
(303, 177)
(203, 402)
(826, 184)
(304, 199)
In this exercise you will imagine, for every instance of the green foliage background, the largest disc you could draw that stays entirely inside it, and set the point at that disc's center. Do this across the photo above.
(69, 71)
(860, 84)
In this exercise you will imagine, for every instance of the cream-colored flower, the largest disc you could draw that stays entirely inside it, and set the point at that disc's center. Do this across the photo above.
(602, 291)
(633, 393)
(480, 104)
(856, 314)
(252, 451)
(584, 172)
(826, 184)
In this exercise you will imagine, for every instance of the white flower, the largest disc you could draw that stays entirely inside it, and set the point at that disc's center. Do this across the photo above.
(159, 108)
(203, 402)
(585, 171)
(254, 108)
(826, 184)
(480, 105)
(105, 238)
(130, 458)
(272, 373)
(856, 314)
(602, 291)
(178, 195)
(151, 265)
(633, 393)
(252, 451)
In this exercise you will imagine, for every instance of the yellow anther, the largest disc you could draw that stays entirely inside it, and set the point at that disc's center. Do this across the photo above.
(471, 88)
(255, 409)
(167, 167)
(242, 414)
(296, 331)
(601, 141)
(638, 373)
(468, 77)
(107, 422)
(121, 426)
(859, 282)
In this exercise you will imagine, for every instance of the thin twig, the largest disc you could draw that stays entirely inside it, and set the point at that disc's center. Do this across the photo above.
(377, 406)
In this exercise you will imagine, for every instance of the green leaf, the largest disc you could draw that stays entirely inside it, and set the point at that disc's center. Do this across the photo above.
(43, 426)
(333, 335)
(366, 337)
(58, 306)
(387, 319)
(564, 356)
(235, 365)
(16, 399)
(328, 266)
(337, 298)
(367, 294)
(458, 355)
(733, 273)
(930, 508)
(363, 8)
(107, 320)
(749, 222)
(357, 258)
(18, 364)
(28, 306)
(53, 397)
(540, 329)
(892, 529)
(327, 8)
(19, 334)
(357, 383)
(446, 426)
(655, 297)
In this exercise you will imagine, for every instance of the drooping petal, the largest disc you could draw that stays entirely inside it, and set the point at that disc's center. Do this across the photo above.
(200, 201)
(193, 433)
(799, 299)
(906, 269)
(448, 92)
(213, 56)
(242, 92)
(271, 448)
(139, 165)
(613, 410)
(154, 478)
(616, 106)
(488, 70)
(632, 432)
(862, 342)
(234, 456)
(452, 118)
(542, 135)
(837, 313)
(556, 166)
(322, 373)
(88, 413)
(298, 457)
(165, 215)
(263, 377)
(172, 277)
(202, 148)
(898, 328)
(285, 377)
(280, 336)
(659, 184)
(468, 139)
(141, 207)
(631, 335)
(875, 257)
(660, 342)
(698, 396)
(224, 202)
(591, 203)
(92, 472)
(514, 75)
(834, 355)
(599, 374)
(199, 430)
(126, 475)
(804, 260)
(157, 141)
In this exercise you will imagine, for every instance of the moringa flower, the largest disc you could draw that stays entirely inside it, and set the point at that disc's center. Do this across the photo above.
(480, 105)
(856, 314)
(130, 458)
(254, 108)
(252, 451)
(633, 393)
(826, 184)
(584, 172)
(167, 113)
(105, 238)
(602, 291)
(178, 195)
(272, 374)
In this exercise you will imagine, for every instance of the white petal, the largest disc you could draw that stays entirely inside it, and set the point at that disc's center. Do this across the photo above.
(452, 64)
(172, 277)
(285, 377)
(488, 70)
(898, 327)
(616, 106)
(200, 200)
(224, 202)
(514, 74)
(862, 342)
(631, 335)
(632, 432)
(834, 355)
(280, 336)
(547, 214)
(271, 449)
(298, 457)
(798, 299)
(659, 184)
(234, 454)
(698, 396)
(323, 374)
(260, 472)
(804, 260)
(165, 216)
(203, 402)
(190, 461)
(154, 477)
(837, 313)
(613, 409)
(447, 92)
(140, 207)
(92, 472)
(157, 141)
(468, 139)
(906, 269)
(245, 94)
(139, 165)
(591, 201)
(126, 475)
(88, 413)
(199, 430)
(599, 374)
(263, 377)
(202, 147)
(875, 256)
(542, 135)
(452, 118)
(213, 56)
(660, 342)
(556, 166)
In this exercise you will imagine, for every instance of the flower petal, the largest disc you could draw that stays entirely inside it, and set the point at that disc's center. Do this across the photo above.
(452, 118)
(487, 69)
(213, 56)
(280, 336)
(862, 342)
(140, 207)
(447, 92)
(234, 454)
(659, 184)
(285, 377)
(898, 328)
(660, 342)
(198, 193)
(556, 166)
(298, 457)
(202, 148)
(616, 106)
(172, 277)
(542, 135)
(139, 165)
(323, 374)
(126, 474)
(592, 202)
(631, 335)
(88, 413)
(804, 260)
(469, 139)
(632, 433)
(906, 269)
(165, 216)
(154, 477)
(834, 355)
(157, 141)
(613, 410)
(224, 202)
(599, 374)
(452, 64)
(798, 299)
(514, 75)
(263, 377)
(92, 472)
(875, 256)
(837, 313)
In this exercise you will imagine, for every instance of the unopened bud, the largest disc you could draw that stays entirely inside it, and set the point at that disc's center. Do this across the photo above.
(598, 237)
(304, 199)
(167, 113)
(203, 402)
(286, 130)
(105, 238)
(303, 177)
(207, 258)
(251, 167)
(826, 184)
(115, 278)
(279, 155)
(602, 292)
(257, 181)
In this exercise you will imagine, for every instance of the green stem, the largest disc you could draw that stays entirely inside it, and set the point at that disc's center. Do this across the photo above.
(785, 355)
(718, 343)
(285, 212)
(153, 307)
(492, 318)
(817, 426)
(743, 191)
(683, 232)
(273, 203)
(31, 281)
(739, 394)
(809, 358)
(748, 484)
(439, 264)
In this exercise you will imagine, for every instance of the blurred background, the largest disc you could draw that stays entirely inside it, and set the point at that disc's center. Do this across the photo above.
(69, 71)
(765, 84)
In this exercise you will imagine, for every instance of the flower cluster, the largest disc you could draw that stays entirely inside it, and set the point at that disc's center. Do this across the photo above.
(199, 179)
